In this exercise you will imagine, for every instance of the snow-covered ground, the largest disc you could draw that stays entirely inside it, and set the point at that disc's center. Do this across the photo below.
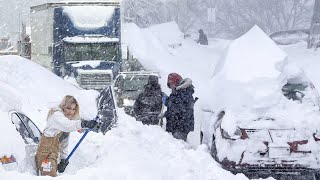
(132, 150)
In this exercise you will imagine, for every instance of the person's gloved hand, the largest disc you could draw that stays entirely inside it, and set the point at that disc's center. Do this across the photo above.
(62, 165)
(89, 124)
(164, 98)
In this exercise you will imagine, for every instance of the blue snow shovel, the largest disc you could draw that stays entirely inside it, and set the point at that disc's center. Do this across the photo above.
(64, 163)
(77, 145)
(104, 124)
(106, 118)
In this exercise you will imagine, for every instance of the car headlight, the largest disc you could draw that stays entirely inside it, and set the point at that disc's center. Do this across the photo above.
(128, 102)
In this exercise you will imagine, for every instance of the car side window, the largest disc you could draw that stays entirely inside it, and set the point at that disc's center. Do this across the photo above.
(21, 128)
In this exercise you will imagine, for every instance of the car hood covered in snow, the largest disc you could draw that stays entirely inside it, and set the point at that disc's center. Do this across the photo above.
(247, 85)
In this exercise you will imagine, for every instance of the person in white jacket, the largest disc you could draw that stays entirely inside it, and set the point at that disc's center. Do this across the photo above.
(54, 141)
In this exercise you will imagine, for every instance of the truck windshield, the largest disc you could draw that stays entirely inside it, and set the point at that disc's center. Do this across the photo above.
(92, 51)
(135, 83)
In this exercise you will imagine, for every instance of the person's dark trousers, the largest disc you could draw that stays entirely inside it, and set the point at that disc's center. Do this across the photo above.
(180, 135)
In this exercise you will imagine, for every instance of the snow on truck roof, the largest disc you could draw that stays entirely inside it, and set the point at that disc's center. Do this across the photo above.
(44, 6)
(89, 39)
(89, 16)
(84, 14)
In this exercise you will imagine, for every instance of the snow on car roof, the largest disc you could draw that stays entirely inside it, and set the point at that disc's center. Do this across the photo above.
(88, 17)
(247, 85)
(251, 56)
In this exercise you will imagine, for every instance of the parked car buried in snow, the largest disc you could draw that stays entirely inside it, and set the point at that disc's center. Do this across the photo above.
(18, 141)
(128, 85)
(278, 140)
(290, 36)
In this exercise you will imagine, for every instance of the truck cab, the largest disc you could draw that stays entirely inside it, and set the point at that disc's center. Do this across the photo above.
(78, 39)
(93, 60)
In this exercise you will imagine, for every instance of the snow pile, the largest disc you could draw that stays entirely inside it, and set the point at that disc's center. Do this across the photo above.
(150, 47)
(11, 141)
(247, 60)
(145, 47)
(247, 85)
(89, 17)
(173, 38)
(247, 73)
(135, 151)
(29, 87)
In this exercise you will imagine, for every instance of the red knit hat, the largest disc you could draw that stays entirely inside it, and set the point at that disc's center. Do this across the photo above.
(174, 80)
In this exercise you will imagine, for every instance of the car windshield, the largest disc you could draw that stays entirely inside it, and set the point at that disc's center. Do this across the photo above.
(294, 91)
(302, 92)
(92, 51)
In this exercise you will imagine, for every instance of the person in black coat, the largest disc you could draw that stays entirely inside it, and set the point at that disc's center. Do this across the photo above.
(203, 40)
(180, 114)
(148, 105)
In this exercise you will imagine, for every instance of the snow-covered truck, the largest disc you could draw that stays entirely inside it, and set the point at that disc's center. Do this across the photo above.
(78, 39)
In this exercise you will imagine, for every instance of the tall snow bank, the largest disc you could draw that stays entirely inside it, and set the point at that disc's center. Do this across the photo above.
(248, 81)
(251, 56)
(144, 46)
(248, 72)
(168, 33)
(29, 87)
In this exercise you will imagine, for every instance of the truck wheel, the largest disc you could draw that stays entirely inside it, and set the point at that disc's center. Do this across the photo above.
(213, 148)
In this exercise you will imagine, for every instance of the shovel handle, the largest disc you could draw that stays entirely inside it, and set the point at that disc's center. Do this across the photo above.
(74, 149)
